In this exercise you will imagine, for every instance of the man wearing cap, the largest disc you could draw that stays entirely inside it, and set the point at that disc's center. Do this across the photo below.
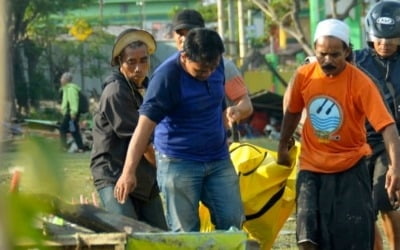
(235, 88)
(334, 199)
(114, 124)
(184, 104)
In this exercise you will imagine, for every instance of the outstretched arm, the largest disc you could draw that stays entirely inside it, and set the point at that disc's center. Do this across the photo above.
(240, 110)
(289, 124)
(392, 143)
(236, 91)
(137, 146)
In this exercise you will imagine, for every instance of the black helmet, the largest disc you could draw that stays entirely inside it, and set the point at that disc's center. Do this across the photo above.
(383, 20)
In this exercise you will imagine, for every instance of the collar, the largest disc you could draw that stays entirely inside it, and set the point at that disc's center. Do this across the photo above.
(393, 57)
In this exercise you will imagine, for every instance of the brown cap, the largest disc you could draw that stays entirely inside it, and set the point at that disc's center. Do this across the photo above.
(188, 19)
(129, 36)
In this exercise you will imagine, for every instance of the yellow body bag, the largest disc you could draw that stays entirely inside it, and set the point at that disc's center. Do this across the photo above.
(267, 190)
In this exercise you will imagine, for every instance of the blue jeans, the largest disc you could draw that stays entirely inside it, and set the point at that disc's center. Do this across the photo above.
(185, 183)
(150, 211)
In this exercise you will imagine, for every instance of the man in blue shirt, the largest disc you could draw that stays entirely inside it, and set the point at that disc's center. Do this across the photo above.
(185, 98)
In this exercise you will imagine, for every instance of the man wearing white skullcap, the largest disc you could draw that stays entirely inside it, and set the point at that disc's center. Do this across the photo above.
(334, 200)
(333, 27)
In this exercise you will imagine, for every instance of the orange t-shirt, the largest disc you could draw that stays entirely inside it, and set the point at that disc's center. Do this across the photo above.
(334, 136)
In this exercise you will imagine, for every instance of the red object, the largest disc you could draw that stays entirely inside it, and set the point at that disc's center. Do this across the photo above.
(15, 179)
(258, 121)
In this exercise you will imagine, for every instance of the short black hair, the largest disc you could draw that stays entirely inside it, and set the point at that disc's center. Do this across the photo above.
(203, 45)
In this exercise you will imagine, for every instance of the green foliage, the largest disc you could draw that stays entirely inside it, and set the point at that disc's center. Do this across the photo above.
(21, 219)
(174, 11)
(281, 7)
(258, 42)
(44, 30)
(97, 56)
(47, 113)
(209, 12)
(31, 31)
(42, 173)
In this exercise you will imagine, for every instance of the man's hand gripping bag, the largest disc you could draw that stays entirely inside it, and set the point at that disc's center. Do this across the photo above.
(267, 191)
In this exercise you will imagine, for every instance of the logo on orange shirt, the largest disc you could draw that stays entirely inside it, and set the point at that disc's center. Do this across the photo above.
(326, 118)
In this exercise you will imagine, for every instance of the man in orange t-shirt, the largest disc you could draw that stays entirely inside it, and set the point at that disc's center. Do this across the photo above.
(334, 200)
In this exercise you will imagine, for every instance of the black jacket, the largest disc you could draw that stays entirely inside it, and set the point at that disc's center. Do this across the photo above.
(113, 127)
(386, 74)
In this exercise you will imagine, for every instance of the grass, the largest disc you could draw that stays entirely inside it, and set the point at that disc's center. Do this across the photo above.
(76, 176)
(77, 181)
(73, 167)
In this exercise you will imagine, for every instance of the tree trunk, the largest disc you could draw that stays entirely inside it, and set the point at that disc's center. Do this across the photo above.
(21, 90)
(35, 85)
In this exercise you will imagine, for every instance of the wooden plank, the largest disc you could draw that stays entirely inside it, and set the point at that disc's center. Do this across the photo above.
(91, 217)
(65, 229)
(109, 239)
(115, 241)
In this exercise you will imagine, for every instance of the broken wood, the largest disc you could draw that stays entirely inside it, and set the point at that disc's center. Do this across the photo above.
(91, 217)
(103, 241)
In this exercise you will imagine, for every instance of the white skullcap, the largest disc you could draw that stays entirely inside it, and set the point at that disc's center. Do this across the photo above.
(333, 27)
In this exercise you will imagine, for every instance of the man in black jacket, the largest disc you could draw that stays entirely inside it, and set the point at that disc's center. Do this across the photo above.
(381, 61)
(114, 124)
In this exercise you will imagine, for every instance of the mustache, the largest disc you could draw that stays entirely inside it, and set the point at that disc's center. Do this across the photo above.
(328, 67)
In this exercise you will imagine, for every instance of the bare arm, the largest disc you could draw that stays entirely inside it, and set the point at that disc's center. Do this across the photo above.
(392, 144)
(289, 124)
(149, 154)
(244, 106)
(137, 146)
(236, 91)
(241, 110)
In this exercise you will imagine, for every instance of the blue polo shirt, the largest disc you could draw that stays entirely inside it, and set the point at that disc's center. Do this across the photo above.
(189, 112)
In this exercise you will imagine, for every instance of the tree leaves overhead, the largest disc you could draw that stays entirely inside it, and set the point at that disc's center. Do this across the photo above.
(25, 13)
(31, 30)
(285, 15)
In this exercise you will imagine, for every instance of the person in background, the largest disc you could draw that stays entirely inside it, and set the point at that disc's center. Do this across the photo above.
(70, 111)
(235, 88)
(381, 61)
(334, 197)
(114, 124)
(184, 104)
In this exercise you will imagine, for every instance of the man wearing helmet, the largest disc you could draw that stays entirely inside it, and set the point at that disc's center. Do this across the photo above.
(381, 61)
